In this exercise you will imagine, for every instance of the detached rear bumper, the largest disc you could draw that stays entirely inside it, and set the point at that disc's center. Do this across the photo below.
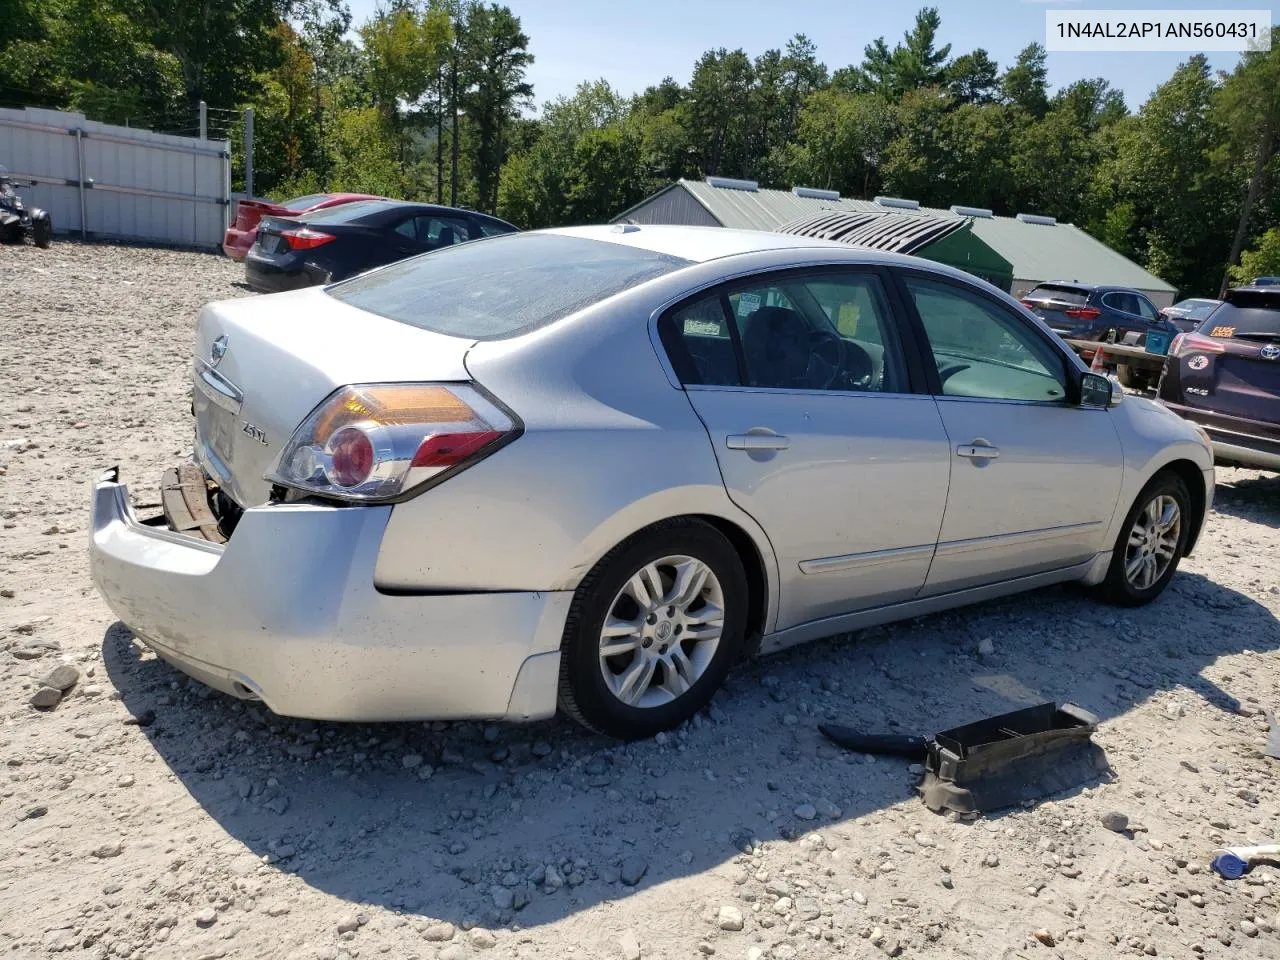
(287, 612)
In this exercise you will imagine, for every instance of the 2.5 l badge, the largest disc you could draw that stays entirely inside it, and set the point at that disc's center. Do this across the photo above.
(256, 432)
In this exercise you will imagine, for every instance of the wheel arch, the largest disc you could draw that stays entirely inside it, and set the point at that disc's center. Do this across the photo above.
(1193, 479)
(746, 537)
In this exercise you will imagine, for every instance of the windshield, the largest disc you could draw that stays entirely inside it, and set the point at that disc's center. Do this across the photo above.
(503, 286)
(1196, 309)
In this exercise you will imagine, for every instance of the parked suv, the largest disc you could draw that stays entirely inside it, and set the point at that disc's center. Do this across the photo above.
(1091, 311)
(1226, 377)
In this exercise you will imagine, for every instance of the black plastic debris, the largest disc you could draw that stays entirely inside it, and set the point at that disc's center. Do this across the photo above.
(997, 762)
(1015, 757)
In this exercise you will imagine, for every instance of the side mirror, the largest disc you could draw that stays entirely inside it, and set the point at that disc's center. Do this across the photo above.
(1095, 390)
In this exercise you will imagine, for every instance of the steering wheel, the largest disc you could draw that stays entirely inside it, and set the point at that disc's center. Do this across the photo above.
(832, 353)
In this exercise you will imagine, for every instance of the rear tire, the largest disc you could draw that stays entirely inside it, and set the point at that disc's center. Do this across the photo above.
(42, 234)
(672, 602)
(1150, 544)
(1127, 377)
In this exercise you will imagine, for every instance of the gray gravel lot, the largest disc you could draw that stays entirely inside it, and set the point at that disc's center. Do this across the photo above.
(147, 817)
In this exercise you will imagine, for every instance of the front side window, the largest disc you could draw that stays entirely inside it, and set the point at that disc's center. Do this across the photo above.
(827, 332)
(983, 350)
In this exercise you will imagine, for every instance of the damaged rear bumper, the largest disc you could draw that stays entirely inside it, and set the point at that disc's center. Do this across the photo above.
(287, 612)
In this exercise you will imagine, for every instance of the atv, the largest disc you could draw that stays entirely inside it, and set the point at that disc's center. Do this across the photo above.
(18, 221)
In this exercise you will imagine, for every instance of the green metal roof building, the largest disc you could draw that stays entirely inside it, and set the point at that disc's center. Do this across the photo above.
(1014, 253)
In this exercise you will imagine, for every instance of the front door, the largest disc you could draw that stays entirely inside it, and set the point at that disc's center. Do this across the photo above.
(1034, 476)
(802, 382)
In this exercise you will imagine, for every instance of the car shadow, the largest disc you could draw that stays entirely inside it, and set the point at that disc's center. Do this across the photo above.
(1248, 496)
(465, 822)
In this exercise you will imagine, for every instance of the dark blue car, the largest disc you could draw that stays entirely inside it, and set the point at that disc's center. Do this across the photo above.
(1092, 311)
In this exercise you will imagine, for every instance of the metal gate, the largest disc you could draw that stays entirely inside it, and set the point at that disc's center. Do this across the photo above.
(122, 183)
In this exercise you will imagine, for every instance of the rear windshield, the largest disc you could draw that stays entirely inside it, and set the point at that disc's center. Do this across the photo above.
(1050, 291)
(502, 286)
(302, 203)
(1261, 322)
(345, 212)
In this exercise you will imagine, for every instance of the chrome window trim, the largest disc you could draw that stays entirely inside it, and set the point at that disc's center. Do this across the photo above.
(800, 391)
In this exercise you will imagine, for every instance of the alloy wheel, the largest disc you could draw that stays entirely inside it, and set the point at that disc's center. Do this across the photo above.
(662, 631)
(1153, 542)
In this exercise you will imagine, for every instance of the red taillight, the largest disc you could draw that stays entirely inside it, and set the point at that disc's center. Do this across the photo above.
(450, 449)
(1083, 313)
(350, 457)
(1185, 343)
(304, 238)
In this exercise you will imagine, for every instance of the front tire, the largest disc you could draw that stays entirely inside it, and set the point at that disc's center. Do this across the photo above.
(653, 629)
(1151, 542)
(42, 233)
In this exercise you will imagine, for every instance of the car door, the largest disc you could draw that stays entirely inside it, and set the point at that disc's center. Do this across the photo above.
(1126, 312)
(823, 431)
(1034, 475)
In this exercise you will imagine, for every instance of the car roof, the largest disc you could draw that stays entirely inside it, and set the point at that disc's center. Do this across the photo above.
(702, 244)
(1090, 287)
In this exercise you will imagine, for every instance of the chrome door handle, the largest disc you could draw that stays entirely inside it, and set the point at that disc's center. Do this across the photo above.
(757, 441)
(978, 451)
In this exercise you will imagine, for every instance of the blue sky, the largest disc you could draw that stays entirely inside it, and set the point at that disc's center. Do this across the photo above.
(635, 43)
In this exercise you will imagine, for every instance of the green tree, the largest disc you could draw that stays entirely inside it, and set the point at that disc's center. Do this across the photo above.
(497, 53)
(719, 111)
(914, 63)
(1025, 84)
(840, 140)
(1262, 260)
(1250, 102)
(971, 77)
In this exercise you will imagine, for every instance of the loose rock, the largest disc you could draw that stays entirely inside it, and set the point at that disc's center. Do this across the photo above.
(730, 918)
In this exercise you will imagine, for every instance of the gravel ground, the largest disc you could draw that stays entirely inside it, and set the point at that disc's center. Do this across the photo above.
(146, 817)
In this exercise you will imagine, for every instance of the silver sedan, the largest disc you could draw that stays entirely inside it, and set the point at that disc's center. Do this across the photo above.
(593, 468)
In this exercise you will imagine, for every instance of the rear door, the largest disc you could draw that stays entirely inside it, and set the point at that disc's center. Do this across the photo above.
(804, 385)
(1034, 476)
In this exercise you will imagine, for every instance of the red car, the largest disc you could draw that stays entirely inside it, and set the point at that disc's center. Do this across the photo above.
(241, 234)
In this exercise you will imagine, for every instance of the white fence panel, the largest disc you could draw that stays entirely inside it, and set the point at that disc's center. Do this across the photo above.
(119, 182)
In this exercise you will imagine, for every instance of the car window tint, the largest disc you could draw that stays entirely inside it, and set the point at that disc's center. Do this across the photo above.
(505, 286)
(409, 228)
(700, 345)
(831, 332)
(983, 350)
(1146, 308)
(443, 231)
(492, 228)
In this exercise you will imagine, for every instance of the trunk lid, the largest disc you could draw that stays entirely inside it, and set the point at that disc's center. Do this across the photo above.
(276, 358)
(249, 212)
(1050, 303)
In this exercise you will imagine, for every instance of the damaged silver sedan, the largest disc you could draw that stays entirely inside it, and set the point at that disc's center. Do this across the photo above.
(594, 467)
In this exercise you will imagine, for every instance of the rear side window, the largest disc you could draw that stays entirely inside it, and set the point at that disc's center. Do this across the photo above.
(828, 332)
(1063, 294)
(505, 287)
(493, 228)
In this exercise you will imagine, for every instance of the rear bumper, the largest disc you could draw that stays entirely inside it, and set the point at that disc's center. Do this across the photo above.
(287, 612)
(1235, 439)
(236, 242)
(266, 277)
